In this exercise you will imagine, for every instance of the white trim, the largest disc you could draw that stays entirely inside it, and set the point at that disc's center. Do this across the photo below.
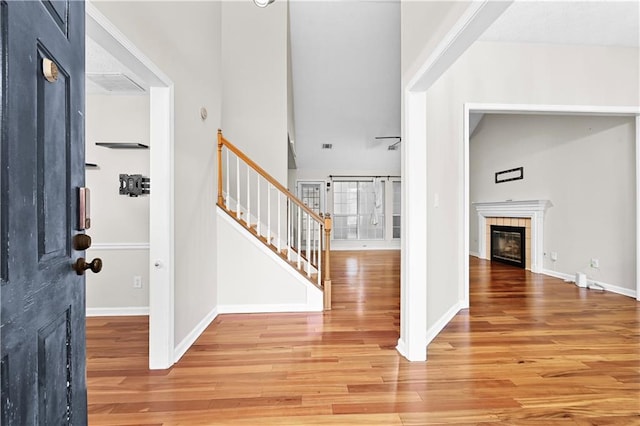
(105, 33)
(532, 209)
(442, 322)
(597, 110)
(161, 199)
(119, 246)
(256, 309)
(478, 16)
(118, 312)
(193, 335)
(608, 287)
(315, 298)
(474, 254)
(161, 230)
(413, 274)
(476, 19)
(637, 145)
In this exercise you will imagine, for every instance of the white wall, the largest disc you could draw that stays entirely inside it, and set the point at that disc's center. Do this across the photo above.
(586, 166)
(501, 73)
(254, 72)
(117, 221)
(257, 280)
(183, 40)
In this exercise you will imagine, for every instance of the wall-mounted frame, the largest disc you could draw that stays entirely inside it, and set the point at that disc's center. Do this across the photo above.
(509, 175)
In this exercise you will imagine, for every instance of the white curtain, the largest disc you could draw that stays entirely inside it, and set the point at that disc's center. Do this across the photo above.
(376, 211)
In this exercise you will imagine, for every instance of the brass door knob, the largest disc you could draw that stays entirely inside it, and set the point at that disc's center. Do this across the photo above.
(81, 265)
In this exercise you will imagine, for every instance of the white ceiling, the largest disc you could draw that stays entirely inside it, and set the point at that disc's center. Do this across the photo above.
(346, 84)
(104, 67)
(601, 23)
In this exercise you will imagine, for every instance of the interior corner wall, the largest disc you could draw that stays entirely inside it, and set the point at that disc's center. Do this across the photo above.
(254, 93)
(507, 73)
(183, 39)
(119, 224)
(585, 165)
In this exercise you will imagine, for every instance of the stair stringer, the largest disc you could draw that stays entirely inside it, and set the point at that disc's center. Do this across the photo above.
(253, 278)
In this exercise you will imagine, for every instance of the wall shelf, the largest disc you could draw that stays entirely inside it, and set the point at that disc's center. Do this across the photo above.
(122, 145)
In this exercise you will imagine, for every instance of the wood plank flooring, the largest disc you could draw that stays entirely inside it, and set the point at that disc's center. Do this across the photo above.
(531, 350)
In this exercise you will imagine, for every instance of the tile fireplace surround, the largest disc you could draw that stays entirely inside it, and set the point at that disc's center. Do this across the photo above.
(502, 211)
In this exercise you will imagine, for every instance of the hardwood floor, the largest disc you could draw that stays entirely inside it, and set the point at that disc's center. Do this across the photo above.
(532, 350)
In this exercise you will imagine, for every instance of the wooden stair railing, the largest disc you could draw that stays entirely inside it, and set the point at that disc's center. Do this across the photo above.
(280, 220)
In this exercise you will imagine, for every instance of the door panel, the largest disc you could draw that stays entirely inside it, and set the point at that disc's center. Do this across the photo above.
(53, 163)
(59, 11)
(42, 166)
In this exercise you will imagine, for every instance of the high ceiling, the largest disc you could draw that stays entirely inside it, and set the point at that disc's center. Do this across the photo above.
(600, 23)
(346, 84)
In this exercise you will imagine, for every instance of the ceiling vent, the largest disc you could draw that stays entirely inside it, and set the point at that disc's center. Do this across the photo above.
(327, 145)
(115, 82)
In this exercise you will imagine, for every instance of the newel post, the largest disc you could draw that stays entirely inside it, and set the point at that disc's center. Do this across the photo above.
(327, 263)
(220, 197)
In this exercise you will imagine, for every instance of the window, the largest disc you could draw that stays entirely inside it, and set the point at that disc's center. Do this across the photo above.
(358, 210)
(397, 207)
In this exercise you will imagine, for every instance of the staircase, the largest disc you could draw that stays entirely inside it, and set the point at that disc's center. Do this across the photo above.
(273, 215)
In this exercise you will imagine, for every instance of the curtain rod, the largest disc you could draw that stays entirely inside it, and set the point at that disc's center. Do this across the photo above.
(362, 176)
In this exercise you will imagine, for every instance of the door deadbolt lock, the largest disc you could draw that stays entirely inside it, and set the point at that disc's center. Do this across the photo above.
(81, 242)
(81, 265)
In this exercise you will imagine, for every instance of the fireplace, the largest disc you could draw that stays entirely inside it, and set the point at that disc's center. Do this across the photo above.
(508, 245)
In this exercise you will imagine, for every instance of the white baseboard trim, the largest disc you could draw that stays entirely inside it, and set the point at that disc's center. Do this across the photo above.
(118, 312)
(402, 348)
(474, 254)
(257, 309)
(190, 338)
(608, 287)
(364, 245)
(436, 328)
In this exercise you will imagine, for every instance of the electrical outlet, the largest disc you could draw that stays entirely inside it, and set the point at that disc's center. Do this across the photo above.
(554, 255)
(137, 281)
(595, 263)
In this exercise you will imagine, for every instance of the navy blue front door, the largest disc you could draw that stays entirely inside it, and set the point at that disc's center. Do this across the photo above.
(41, 168)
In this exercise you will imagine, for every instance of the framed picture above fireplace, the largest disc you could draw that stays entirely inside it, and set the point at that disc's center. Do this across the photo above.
(509, 175)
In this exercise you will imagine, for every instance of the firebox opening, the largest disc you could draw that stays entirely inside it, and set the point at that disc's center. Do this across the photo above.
(508, 245)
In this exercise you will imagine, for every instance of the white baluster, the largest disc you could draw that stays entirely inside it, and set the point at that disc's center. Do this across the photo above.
(268, 213)
(308, 245)
(279, 220)
(237, 186)
(258, 224)
(226, 201)
(289, 225)
(319, 254)
(299, 235)
(248, 198)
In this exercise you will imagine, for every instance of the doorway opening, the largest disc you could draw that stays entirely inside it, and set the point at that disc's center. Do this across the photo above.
(568, 111)
(161, 228)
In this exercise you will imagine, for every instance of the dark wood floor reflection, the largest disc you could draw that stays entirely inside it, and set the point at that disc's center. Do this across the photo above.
(531, 350)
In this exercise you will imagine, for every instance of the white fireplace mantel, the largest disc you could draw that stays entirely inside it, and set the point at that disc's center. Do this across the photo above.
(532, 209)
